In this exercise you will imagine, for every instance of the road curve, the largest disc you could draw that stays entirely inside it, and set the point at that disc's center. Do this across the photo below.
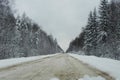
(61, 66)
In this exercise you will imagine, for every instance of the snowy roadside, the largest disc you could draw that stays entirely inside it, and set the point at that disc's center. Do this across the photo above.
(86, 77)
(10, 62)
(109, 66)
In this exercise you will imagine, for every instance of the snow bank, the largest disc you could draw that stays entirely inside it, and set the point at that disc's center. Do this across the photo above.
(109, 66)
(54, 79)
(86, 77)
(10, 62)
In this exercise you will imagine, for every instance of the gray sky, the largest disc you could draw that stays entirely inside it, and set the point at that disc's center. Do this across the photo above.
(63, 19)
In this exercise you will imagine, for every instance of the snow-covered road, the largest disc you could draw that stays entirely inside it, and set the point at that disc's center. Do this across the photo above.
(61, 66)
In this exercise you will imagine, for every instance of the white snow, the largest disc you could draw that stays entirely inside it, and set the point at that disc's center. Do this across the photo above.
(112, 67)
(86, 77)
(54, 79)
(10, 62)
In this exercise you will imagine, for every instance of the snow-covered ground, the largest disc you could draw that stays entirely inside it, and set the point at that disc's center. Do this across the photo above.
(109, 66)
(106, 65)
(9, 62)
(86, 77)
(54, 79)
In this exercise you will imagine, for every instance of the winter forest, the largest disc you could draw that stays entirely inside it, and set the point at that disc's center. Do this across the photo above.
(59, 39)
(101, 36)
(22, 37)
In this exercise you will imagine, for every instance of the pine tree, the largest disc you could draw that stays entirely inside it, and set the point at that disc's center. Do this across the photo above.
(21, 37)
(96, 28)
(102, 34)
(118, 20)
(91, 33)
(113, 16)
(33, 40)
(104, 21)
(7, 30)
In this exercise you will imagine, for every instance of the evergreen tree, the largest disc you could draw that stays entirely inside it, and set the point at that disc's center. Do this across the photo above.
(21, 37)
(91, 33)
(33, 40)
(102, 34)
(104, 21)
(7, 30)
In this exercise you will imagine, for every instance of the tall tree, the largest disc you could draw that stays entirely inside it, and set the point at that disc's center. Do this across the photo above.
(104, 20)
(7, 30)
(91, 33)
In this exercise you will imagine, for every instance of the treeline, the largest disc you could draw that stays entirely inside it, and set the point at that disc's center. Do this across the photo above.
(101, 36)
(22, 37)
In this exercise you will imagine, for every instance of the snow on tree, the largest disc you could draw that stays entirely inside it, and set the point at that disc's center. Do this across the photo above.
(91, 33)
(22, 37)
(104, 19)
(102, 33)
(7, 30)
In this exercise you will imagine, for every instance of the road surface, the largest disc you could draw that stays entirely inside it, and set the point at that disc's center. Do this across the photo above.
(61, 66)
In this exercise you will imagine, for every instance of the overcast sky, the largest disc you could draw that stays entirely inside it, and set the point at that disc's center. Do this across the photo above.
(63, 19)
